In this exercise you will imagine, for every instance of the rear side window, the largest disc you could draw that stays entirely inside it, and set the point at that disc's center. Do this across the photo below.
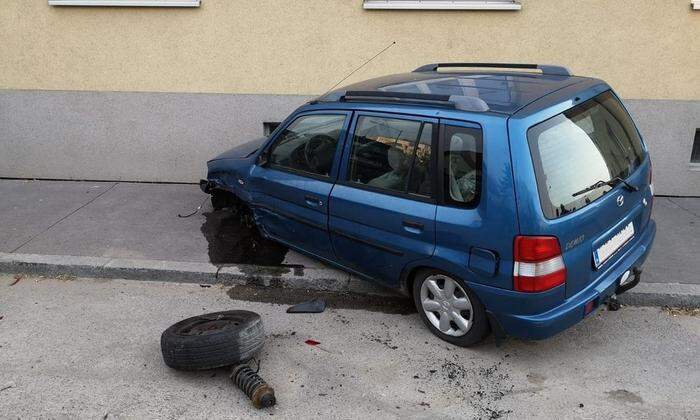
(462, 148)
(594, 141)
(392, 154)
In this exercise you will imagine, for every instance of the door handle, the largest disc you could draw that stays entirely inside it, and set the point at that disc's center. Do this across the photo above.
(313, 200)
(411, 226)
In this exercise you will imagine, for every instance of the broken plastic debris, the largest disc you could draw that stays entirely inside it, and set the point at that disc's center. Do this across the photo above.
(317, 345)
(18, 277)
(313, 306)
(183, 216)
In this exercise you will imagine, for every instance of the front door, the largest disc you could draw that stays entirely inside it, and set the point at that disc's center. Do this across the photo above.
(290, 191)
(382, 214)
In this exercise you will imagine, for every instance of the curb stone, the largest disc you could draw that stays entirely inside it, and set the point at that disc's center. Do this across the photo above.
(663, 294)
(294, 277)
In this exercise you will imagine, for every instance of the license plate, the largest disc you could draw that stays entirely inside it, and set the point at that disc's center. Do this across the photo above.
(612, 245)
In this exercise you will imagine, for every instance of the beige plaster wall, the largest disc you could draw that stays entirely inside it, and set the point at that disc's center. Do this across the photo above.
(647, 49)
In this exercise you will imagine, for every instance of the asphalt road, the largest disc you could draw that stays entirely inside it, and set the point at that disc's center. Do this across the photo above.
(139, 221)
(90, 349)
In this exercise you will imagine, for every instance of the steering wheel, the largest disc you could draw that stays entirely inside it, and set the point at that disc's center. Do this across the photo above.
(318, 152)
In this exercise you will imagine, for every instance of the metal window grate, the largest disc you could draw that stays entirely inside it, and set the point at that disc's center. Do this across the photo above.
(127, 3)
(695, 153)
(443, 4)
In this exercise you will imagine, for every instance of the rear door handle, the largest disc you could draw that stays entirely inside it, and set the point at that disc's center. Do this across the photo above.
(411, 226)
(313, 200)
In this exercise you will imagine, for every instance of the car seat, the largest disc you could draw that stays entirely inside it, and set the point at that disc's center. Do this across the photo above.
(396, 178)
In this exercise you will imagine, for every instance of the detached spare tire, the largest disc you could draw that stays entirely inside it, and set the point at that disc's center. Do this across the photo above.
(212, 340)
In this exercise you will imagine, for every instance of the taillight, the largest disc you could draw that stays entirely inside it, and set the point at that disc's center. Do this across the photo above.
(538, 264)
(651, 182)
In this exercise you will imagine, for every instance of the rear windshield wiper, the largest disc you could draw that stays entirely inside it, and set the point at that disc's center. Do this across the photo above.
(611, 183)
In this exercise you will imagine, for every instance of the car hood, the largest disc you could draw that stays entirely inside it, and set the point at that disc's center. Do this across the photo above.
(242, 151)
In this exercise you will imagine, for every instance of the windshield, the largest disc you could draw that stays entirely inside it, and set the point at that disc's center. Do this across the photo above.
(594, 141)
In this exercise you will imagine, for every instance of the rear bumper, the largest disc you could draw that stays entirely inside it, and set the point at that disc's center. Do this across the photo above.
(571, 311)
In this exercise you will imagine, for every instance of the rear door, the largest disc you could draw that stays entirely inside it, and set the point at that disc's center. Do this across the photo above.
(291, 190)
(382, 211)
(564, 156)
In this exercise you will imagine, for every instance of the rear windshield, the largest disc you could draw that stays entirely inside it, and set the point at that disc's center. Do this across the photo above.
(591, 142)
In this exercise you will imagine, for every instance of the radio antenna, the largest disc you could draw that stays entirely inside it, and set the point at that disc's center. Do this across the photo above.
(362, 65)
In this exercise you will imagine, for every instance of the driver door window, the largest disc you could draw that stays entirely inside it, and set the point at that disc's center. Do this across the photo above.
(308, 144)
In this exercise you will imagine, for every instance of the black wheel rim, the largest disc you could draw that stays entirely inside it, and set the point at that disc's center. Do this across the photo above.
(211, 324)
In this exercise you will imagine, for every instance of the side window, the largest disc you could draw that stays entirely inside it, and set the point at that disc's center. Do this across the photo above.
(308, 144)
(392, 154)
(462, 164)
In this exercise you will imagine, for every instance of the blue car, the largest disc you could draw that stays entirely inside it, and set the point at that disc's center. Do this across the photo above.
(504, 198)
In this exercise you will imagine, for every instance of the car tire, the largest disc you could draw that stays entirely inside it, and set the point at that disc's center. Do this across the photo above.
(462, 303)
(212, 340)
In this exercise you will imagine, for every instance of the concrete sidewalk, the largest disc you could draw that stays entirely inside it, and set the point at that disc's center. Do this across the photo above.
(133, 230)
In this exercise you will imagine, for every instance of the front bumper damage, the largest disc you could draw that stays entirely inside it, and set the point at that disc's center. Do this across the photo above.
(208, 186)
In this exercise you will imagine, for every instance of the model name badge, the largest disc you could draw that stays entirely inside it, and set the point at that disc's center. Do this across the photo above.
(575, 242)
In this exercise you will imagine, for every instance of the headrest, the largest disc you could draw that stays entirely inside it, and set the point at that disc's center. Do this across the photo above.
(396, 158)
(462, 142)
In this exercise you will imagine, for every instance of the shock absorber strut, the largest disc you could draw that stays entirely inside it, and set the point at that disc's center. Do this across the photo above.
(260, 393)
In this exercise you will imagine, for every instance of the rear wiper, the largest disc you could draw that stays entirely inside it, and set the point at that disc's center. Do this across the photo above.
(611, 183)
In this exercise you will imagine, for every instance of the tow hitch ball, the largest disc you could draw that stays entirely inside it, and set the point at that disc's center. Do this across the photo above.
(628, 280)
(613, 303)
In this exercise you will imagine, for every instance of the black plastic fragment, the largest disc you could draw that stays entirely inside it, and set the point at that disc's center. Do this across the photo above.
(313, 306)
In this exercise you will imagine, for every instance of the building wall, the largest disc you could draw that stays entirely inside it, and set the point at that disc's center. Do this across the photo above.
(150, 93)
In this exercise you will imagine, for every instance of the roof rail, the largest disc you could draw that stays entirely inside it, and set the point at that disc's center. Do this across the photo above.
(545, 69)
(462, 103)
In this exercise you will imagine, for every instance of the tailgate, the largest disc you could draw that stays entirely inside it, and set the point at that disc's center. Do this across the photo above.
(595, 241)
(586, 180)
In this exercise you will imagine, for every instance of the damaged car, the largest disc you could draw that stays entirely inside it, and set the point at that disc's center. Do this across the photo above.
(506, 198)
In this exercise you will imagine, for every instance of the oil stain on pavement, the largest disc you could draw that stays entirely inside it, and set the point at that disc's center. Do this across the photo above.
(374, 303)
(233, 241)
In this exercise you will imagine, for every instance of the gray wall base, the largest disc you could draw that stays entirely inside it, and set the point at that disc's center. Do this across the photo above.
(168, 137)
(127, 136)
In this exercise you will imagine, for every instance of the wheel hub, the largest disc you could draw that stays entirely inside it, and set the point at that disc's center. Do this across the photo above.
(446, 305)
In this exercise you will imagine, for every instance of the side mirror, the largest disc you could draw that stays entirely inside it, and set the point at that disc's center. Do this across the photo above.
(263, 158)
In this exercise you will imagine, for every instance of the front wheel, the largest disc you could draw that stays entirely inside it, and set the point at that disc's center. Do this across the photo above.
(449, 308)
(222, 200)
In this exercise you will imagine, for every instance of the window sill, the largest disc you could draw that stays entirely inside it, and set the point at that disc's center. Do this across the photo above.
(695, 4)
(127, 3)
(694, 166)
(440, 5)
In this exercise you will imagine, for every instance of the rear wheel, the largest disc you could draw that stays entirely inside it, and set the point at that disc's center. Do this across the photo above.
(449, 308)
